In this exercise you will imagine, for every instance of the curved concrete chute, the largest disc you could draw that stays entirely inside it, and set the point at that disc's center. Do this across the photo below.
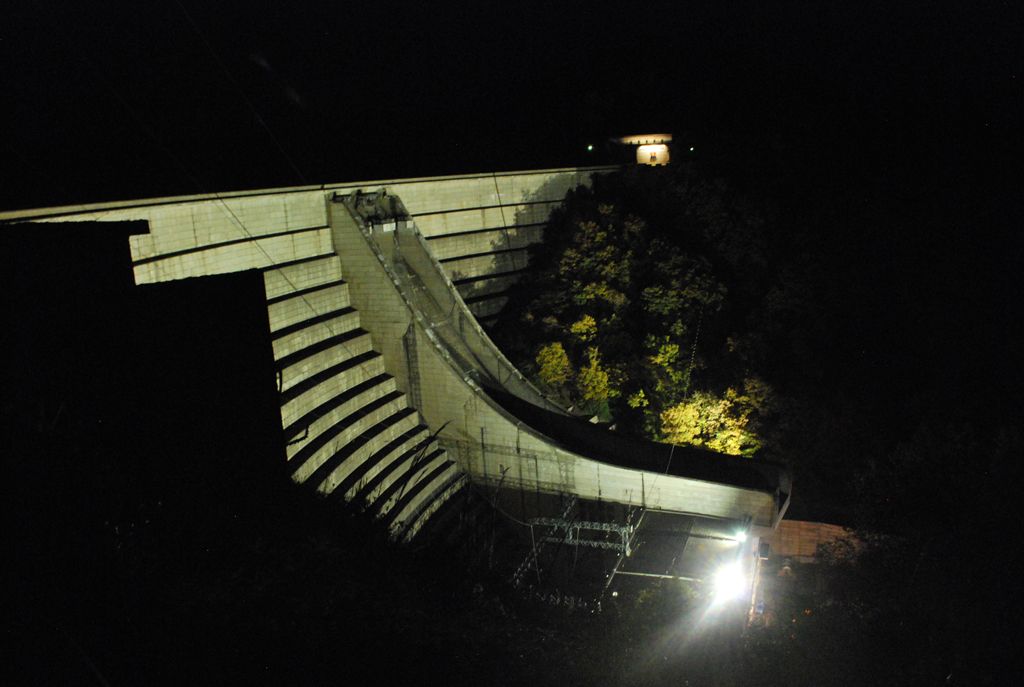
(499, 427)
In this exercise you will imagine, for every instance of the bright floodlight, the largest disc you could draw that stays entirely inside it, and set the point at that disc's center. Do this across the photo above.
(741, 536)
(729, 583)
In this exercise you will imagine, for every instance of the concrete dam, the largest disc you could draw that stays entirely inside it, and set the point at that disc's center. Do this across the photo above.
(391, 393)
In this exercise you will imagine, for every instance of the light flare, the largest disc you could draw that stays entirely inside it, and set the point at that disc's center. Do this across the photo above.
(730, 582)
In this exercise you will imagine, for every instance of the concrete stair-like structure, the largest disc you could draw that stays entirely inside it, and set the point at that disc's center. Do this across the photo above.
(349, 431)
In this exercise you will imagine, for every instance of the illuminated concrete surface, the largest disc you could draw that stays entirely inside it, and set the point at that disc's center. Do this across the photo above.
(377, 349)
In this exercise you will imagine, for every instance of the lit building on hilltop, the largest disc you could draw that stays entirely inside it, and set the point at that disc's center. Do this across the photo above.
(651, 149)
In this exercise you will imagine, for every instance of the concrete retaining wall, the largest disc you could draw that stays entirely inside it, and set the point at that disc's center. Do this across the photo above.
(798, 540)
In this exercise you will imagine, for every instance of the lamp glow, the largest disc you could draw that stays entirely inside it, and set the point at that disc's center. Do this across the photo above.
(730, 582)
(652, 154)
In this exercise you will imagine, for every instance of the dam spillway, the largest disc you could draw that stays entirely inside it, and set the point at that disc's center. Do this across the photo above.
(390, 392)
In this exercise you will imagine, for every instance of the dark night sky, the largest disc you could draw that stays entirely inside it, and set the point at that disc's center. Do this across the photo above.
(118, 100)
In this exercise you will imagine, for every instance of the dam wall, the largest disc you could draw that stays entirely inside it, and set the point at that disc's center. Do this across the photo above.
(478, 226)
(453, 370)
(348, 426)
(391, 394)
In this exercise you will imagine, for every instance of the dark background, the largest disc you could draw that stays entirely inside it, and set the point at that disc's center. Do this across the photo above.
(112, 100)
(885, 135)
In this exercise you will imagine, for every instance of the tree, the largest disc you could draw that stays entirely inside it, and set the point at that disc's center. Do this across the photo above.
(628, 313)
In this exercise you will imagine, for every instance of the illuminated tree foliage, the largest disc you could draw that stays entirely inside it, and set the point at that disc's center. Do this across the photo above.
(636, 311)
(704, 420)
(727, 423)
(554, 371)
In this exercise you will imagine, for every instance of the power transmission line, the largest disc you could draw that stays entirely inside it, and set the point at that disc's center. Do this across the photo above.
(231, 78)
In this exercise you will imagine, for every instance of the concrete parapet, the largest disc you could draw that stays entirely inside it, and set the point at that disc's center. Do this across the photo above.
(301, 399)
(350, 345)
(374, 476)
(287, 311)
(367, 443)
(292, 342)
(339, 426)
(448, 484)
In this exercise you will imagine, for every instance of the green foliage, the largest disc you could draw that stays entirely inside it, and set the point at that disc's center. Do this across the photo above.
(594, 383)
(645, 269)
(728, 424)
(585, 329)
(714, 423)
(554, 369)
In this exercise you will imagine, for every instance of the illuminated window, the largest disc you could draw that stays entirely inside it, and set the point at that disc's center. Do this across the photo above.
(656, 154)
